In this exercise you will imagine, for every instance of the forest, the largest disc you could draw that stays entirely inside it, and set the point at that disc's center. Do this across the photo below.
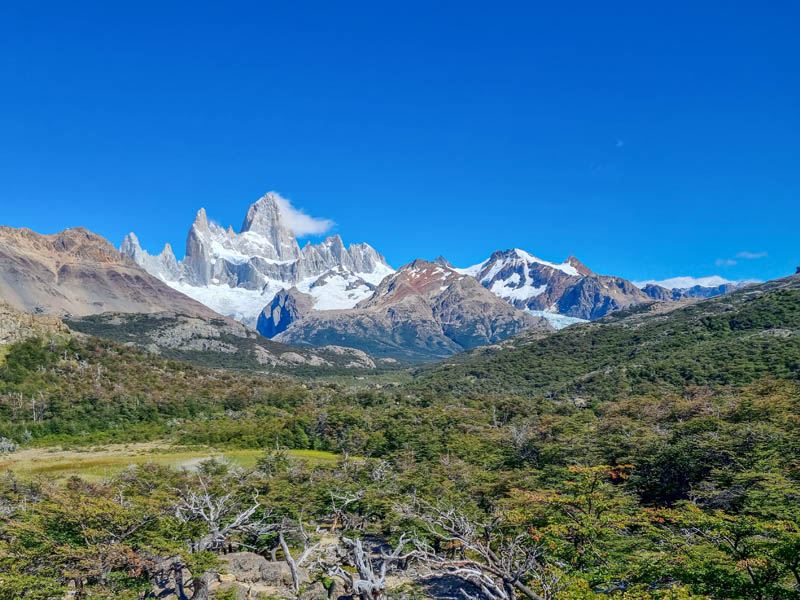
(640, 457)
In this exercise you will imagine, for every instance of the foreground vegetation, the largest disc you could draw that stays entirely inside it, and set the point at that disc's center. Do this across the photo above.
(660, 466)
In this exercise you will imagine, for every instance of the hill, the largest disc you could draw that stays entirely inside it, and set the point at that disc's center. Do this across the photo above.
(733, 339)
(219, 343)
(77, 272)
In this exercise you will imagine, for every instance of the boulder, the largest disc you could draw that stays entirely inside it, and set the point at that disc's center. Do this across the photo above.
(249, 567)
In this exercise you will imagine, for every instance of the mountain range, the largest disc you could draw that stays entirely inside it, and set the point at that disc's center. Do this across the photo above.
(78, 277)
(331, 293)
(342, 299)
(238, 274)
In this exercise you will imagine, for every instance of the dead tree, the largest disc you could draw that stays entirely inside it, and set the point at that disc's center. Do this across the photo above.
(225, 514)
(369, 583)
(339, 502)
(499, 565)
(287, 526)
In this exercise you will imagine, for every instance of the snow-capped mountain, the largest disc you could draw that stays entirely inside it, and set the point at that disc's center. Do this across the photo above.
(554, 290)
(237, 274)
(677, 288)
(424, 310)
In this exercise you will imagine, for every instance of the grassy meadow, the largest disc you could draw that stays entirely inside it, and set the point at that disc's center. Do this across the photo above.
(101, 462)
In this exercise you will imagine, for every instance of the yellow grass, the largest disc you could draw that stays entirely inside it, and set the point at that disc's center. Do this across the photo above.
(101, 462)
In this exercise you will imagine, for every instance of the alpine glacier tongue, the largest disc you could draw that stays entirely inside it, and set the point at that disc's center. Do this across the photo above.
(238, 274)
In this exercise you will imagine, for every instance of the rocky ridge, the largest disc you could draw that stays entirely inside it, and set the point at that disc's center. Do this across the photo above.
(216, 342)
(569, 288)
(77, 272)
(423, 311)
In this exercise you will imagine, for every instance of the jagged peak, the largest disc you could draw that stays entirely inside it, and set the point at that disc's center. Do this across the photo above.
(264, 211)
(418, 263)
(334, 240)
(201, 219)
(441, 260)
(130, 244)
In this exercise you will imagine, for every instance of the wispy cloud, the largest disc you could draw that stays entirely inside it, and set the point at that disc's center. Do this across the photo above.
(725, 262)
(750, 255)
(298, 221)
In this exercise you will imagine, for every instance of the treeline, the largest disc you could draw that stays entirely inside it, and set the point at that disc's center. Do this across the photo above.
(731, 340)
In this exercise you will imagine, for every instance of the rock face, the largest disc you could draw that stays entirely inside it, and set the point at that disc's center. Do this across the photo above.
(286, 307)
(237, 274)
(423, 311)
(217, 342)
(248, 567)
(77, 272)
(569, 288)
(16, 326)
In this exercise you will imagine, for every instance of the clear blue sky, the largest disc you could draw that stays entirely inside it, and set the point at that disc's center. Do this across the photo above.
(649, 139)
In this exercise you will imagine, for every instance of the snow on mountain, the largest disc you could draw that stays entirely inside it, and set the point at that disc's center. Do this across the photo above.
(486, 270)
(238, 274)
(568, 289)
(556, 320)
(683, 283)
(424, 310)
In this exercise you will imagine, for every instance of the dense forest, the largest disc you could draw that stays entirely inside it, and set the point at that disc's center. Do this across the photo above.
(646, 456)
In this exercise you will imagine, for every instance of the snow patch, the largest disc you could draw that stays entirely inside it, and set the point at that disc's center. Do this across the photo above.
(556, 320)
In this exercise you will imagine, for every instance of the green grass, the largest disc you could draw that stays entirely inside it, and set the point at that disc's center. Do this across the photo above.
(99, 463)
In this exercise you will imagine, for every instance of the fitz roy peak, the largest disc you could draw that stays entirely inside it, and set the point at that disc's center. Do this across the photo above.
(237, 274)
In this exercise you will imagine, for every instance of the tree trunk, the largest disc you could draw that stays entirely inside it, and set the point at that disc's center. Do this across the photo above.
(201, 587)
(290, 561)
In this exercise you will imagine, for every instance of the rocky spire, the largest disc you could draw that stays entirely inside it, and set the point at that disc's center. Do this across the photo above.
(130, 246)
(201, 220)
(264, 218)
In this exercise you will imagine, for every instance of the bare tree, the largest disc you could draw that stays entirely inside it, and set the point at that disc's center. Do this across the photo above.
(370, 582)
(339, 502)
(500, 565)
(287, 526)
(225, 511)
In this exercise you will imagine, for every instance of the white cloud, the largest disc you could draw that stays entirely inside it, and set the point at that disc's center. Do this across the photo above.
(725, 262)
(298, 221)
(750, 255)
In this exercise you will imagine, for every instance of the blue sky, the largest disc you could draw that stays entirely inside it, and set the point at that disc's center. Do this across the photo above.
(650, 141)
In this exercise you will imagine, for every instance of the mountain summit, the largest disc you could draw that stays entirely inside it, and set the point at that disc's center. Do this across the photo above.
(570, 288)
(238, 274)
(423, 311)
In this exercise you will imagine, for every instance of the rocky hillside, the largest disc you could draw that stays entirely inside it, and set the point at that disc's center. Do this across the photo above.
(423, 311)
(77, 272)
(16, 325)
(219, 343)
